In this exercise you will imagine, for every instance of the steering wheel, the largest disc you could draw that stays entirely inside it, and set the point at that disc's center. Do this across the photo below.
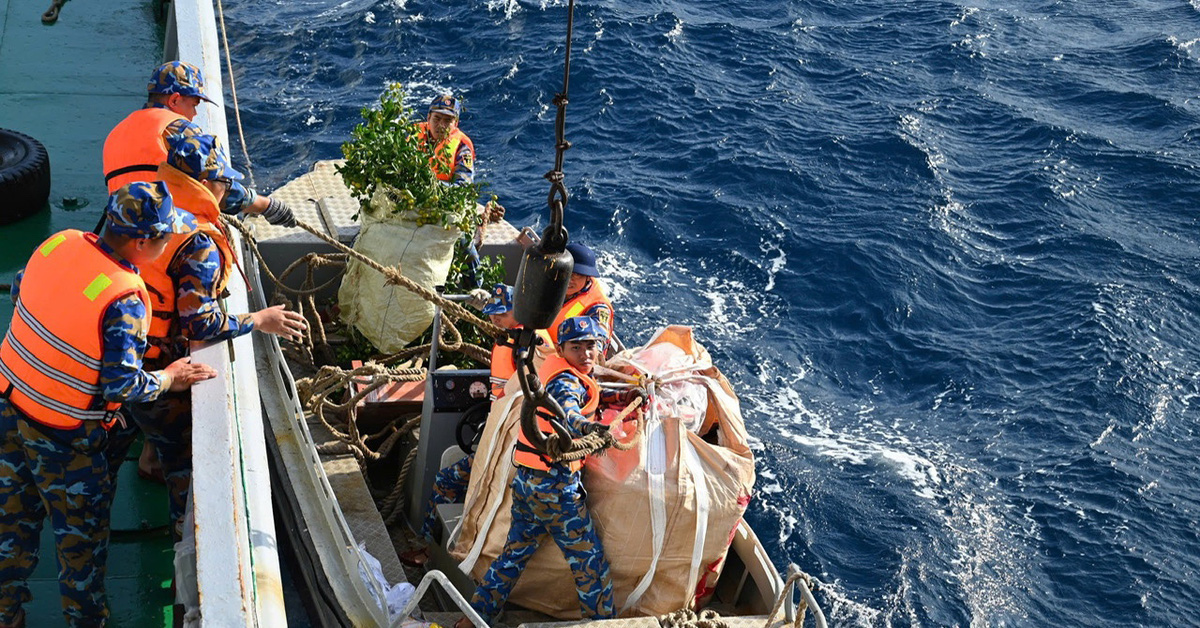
(470, 426)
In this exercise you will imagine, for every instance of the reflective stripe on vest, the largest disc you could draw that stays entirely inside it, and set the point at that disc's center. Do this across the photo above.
(583, 302)
(135, 147)
(194, 197)
(442, 162)
(50, 359)
(524, 454)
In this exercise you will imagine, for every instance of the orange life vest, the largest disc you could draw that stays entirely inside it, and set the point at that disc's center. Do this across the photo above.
(194, 197)
(504, 363)
(524, 454)
(583, 302)
(442, 162)
(50, 359)
(136, 146)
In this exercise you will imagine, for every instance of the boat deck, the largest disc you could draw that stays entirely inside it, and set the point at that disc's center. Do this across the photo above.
(67, 85)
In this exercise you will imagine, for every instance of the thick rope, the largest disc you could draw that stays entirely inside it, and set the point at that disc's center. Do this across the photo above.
(580, 448)
(687, 618)
(314, 395)
(793, 577)
(450, 340)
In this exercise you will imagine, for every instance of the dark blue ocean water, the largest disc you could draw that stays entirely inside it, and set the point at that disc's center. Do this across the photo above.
(947, 252)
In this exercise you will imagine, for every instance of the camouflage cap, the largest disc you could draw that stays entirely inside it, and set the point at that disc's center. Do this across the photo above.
(581, 328)
(446, 104)
(177, 77)
(145, 210)
(502, 300)
(200, 157)
(181, 126)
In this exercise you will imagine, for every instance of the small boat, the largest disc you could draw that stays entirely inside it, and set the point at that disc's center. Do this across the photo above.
(278, 493)
(322, 480)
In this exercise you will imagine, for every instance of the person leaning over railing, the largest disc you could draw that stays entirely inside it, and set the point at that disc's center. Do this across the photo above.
(133, 151)
(61, 385)
(186, 284)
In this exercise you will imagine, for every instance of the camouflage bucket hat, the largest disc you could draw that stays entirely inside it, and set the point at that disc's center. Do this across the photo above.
(177, 77)
(145, 210)
(446, 104)
(581, 328)
(502, 300)
(200, 157)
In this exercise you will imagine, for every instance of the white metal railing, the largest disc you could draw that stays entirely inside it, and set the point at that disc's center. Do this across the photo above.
(237, 562)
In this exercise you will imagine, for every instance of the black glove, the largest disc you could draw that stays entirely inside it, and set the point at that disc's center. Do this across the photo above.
(278, 213)
(630, 394)
(592, 427)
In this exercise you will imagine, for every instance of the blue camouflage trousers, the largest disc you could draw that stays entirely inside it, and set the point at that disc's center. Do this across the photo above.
(167, 422)
(449, 487)
(551, 503)
(62, 474)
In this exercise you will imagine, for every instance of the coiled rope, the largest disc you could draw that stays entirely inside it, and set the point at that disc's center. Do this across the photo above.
(708, 618)
(580, 448)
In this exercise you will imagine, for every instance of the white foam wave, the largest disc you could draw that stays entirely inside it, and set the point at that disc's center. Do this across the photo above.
(510, 7)
(1187, 46)
(986, 555)
(512, 70)
(676, 32)
(777, 264)
(966, 13)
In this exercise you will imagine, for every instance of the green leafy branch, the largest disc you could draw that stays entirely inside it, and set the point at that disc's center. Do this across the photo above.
(388, 154)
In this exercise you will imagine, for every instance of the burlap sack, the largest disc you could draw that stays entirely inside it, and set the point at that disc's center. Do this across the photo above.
(666, 509)
(392, 316)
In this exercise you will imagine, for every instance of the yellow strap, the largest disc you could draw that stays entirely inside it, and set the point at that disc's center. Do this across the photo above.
(49, 246)
(98, 285)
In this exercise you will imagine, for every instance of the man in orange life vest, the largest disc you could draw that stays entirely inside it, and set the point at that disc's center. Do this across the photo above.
(72, 356)
(548, 496)
(500, 311)
(453, 163)
(453, 159)
(450, 484)
(133, 151)
(138, 144)
(585, 292)
(186, 284)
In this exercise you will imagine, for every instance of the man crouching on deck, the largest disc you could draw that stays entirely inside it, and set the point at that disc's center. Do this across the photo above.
(548, 497)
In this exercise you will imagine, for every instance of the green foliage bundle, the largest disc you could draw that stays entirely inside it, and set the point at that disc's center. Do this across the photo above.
(387, 153)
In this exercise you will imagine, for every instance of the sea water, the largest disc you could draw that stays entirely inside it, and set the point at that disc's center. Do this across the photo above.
(947, 252)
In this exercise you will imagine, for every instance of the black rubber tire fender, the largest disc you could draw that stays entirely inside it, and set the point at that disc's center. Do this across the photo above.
(24, 176)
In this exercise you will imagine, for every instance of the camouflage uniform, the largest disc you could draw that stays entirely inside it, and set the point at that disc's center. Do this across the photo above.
(193, 271)
(552, 502)
(449, 487)
(239, 196)
(463, 172)
(64, 473)
(167, 421)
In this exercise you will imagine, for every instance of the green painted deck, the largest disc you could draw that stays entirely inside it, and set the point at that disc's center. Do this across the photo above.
(67, 85)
